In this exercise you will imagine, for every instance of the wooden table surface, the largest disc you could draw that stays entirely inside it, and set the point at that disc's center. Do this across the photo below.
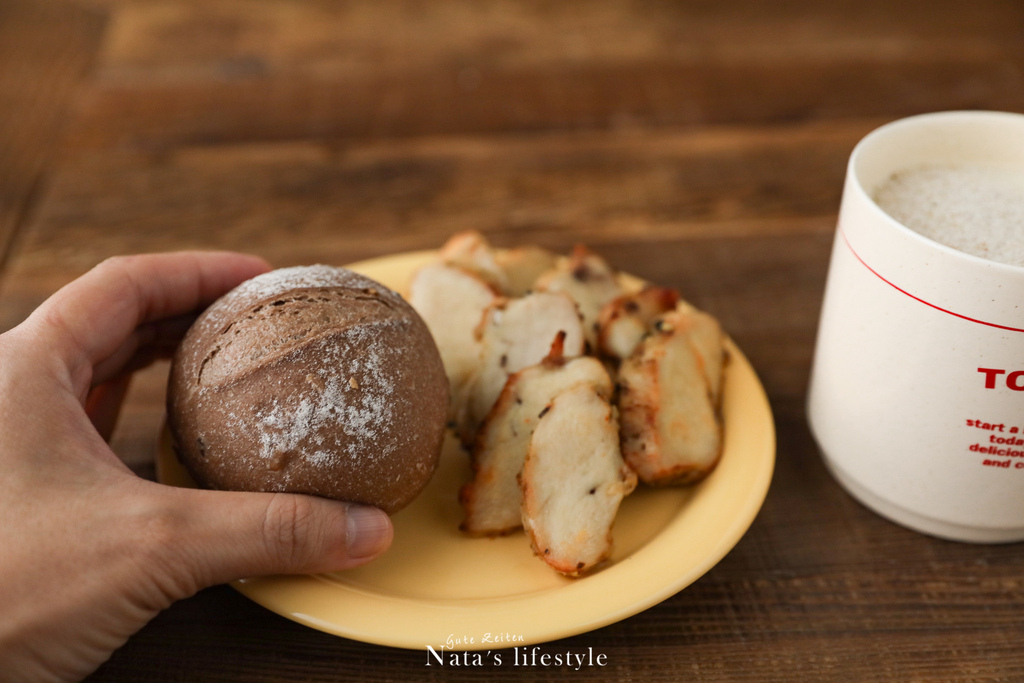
(698, 144)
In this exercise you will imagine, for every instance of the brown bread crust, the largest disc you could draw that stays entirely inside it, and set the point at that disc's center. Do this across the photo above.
(310, 380)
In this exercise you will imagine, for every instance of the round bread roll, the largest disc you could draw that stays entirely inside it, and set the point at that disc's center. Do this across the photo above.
(310, 380)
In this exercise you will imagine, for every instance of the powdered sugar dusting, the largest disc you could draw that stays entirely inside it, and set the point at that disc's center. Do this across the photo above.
(349, 390)
(300, 277)
(311, 379)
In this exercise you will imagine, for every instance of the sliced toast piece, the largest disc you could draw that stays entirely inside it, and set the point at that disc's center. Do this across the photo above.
(589, 280)
(522, 266)
(515, 334)
(573, 481)
(624, 320)
(668, 399)
(492, 501)
(452, 301)
(708, 339)
(471, 250)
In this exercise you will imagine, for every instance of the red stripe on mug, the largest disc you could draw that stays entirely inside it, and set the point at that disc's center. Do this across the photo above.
(917, 298)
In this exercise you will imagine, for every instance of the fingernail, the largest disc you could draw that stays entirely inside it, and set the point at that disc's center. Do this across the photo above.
(368, 531)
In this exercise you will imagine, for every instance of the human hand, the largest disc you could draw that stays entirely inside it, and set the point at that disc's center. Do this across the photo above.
(89, 552)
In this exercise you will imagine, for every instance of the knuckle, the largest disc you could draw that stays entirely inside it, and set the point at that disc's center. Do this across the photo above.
(160, 549)
(118, 262)
(122, 268)
(289, 528)
(159, 531)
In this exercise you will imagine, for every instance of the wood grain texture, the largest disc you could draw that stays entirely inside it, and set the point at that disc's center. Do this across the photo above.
(186, 73)
(295, 203)
(45, 48)
(698, 144)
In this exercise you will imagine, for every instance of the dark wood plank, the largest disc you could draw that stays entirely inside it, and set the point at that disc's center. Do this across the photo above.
(193, 73)
(429, 103)
(45, 49)
(302, 203)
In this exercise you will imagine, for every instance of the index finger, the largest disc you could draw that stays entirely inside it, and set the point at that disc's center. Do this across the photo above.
(89, 319)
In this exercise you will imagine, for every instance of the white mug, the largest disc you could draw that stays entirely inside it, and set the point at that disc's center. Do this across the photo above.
(917, 387)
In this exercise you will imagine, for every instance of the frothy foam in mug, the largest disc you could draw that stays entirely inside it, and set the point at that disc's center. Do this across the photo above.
(975, 209)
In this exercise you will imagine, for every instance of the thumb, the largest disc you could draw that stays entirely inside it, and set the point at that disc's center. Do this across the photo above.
(234, 535)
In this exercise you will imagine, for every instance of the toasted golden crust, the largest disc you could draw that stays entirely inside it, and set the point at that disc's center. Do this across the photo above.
(624, 321)
(668, 400)
(492, 501)
(512, 272)
(573, 481)
(707, 338)
(471, 251)
(588, 280)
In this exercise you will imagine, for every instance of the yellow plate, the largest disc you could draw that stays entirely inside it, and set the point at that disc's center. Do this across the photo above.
(437, 587)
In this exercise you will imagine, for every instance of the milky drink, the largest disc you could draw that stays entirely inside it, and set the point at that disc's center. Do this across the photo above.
(977, 209)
